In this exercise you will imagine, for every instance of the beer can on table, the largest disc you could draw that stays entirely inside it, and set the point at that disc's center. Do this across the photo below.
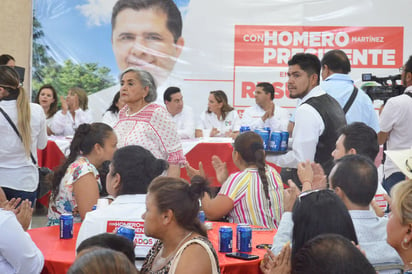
(225, 239)
(202, 216)
(237, 235)
(244, 129)
(244, 238)
(127, 232)
(264, 134)
(275, 141)
(267, 129)
(66, 226)
(285, 140)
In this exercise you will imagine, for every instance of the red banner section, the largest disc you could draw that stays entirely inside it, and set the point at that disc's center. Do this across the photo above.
(140, 238)
(273, 46)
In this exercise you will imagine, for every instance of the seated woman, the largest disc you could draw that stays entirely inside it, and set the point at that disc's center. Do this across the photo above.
(220, 119)
(131, 171)
(111, 116)
(254, 195)
(76, 183)
(47, 99)
(144, 123)
(172, 208)
(74, 112)
(399, 227)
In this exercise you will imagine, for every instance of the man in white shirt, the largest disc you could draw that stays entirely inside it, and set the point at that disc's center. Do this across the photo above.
(265, 113)
(395, 123)
(354, 179)
(182, 114)
(317, 118)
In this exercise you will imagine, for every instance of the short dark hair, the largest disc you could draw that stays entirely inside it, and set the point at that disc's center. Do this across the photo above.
(308, 62)
(167, 95)
(267, 88)
(330, 253)
(174, 17)
(357, 176)
(337, 61)
(408, 65)
(362, 138)
(137, 167)
(319, 212)
(5, 58)
(111, 241)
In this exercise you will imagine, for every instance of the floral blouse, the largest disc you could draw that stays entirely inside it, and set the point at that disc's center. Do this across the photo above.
(65, 201)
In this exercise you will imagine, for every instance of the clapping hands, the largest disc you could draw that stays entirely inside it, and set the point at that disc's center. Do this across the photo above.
(280, 264)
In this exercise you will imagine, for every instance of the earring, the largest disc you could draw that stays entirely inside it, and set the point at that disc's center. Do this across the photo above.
(405, 241)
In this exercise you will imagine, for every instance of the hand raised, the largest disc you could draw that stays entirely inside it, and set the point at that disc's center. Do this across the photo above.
(24, 214)
(220, 169)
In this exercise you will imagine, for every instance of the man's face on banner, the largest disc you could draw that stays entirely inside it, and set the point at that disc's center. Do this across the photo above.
(142, 39)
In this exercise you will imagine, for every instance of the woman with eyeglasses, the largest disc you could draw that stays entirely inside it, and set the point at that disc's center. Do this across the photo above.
(220, 119)
(253, 195)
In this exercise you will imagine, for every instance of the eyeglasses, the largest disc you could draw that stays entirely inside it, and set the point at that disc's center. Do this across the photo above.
(408, 167)
(306, 193)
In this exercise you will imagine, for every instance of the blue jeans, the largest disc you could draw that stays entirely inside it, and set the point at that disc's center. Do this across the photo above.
(12, 193)
(392, 180)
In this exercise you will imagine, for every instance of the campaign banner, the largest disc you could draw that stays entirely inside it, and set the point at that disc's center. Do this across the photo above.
(259, 48)
(140, 239)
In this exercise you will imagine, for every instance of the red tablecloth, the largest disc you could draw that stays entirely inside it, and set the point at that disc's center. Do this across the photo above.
(51, 156)
(59, 254)
(203, 152)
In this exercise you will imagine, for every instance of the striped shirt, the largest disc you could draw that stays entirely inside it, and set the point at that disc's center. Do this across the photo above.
(251, 205)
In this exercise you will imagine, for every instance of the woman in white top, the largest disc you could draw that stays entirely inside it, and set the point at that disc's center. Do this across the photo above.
(111, 116)
(47, 99)
(74, 112)
(220, 119)
(18, 173)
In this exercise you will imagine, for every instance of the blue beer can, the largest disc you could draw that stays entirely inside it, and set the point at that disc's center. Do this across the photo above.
(244, 237)
(264, 134)
(201, 216)
(285, 140)
(267, 129)
(66, 226)
(275, 141)
(225, 239)
(244, 129)
(127, 232)
(237, 235)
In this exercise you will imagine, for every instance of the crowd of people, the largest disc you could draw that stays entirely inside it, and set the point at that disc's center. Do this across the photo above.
(322, 202)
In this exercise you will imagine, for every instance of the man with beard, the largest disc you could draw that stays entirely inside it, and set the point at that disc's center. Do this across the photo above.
(317, 119)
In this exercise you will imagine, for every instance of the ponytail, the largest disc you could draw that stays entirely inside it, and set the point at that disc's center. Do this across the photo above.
(23, 120)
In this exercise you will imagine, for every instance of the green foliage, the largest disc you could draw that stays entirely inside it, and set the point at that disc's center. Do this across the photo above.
(46, 70)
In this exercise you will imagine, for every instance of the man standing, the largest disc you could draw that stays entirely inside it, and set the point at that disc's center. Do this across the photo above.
(337, 83)
(181, 115)
(317, 117)
(395, 123)
(265, 113)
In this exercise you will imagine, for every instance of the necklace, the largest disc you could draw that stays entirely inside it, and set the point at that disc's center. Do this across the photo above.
(159, 262)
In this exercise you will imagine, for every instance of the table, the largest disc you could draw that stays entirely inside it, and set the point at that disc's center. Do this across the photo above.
(59, 254)
(51, 156)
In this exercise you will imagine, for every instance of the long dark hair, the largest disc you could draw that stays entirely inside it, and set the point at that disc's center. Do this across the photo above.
(53, 106)
(221, 97)
(250, 147)
(85, 137)
(319, 212)
(113, 108)
(182, 198)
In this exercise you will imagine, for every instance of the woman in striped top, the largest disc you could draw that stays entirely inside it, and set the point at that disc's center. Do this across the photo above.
(254, 195)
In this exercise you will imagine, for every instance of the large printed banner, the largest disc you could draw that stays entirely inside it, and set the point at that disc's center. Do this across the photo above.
(259, 47)
(229, 45)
